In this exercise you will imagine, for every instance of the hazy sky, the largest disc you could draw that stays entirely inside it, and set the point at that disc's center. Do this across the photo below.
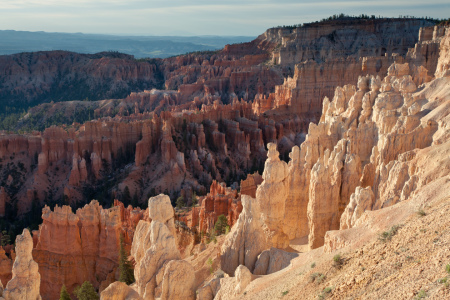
(193, 17)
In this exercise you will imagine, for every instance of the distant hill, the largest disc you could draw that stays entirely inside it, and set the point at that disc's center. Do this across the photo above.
(12, 42)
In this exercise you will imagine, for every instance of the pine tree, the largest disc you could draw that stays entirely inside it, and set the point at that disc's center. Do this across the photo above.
(86, 292)
(126, 197)
(6, 239)
(221, 224)
(125, 268)
(64, 295)
(135, 201)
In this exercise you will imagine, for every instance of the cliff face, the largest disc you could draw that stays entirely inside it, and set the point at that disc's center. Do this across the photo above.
(344, 38)
(31, 78)
(72, 248)
(345, 54)
(377, 144)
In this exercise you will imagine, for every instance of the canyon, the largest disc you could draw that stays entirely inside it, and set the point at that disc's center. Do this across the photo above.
(311, 140)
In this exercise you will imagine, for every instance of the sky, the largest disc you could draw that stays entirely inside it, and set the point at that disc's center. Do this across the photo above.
(193, 17)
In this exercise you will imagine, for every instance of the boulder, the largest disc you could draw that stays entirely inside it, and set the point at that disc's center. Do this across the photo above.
(273, 260)
(119, 291)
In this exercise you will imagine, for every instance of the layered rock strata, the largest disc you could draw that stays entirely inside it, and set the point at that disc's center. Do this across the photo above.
(72, 248)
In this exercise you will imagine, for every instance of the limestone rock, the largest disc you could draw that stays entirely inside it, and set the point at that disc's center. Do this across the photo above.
(162, 250)
(119, 291)
(141, 241)
(178, 281)
(74, 247)
(273, 260)
(161, 210)
(209, 290)
(250, 184)
(360, 201)
(221, 200)
(272, 194)
(247, 239)
(6, 264)
(243, 278)
(26, 279)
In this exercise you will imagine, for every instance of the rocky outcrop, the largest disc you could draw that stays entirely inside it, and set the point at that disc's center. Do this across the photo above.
(443, 64)
(272, 194)
(159, 272)
(72, 248)
(6, 264)
(250, 184)
(360, 201)
(247, 239)
(25, 280)
(36, 75)
(178, 281)
(221, 200)
(162, 250)
(119, 291)
(273, 260)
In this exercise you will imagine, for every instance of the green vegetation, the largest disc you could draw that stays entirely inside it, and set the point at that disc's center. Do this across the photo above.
(421, 212)
(86, 292)
(325, 292)
(212, 237)
(316, 277)
(421, 294)
(221, 225)
(313, 265)
(337, 261)
(284, 293)
(180, 202)
(125, 267)
(64, 295)
(387, 235)
(6, 239)
(447, 268)
(210, 264)
(344, 17)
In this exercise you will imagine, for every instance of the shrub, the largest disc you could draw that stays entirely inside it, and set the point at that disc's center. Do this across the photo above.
(447, 268)
(313, 265)
(86, 292)
(212, 237)
(221, 225)
(180, 202)
(316, 277)
(337, 261)
(210, 263)
(421, 294)
(325, 291)
(320, 278)
(125, 267)
(285, 293)
(421, 212)
(387, 235)
(64, 295)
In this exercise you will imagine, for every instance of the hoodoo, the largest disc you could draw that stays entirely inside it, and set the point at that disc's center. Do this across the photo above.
(312, 162)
